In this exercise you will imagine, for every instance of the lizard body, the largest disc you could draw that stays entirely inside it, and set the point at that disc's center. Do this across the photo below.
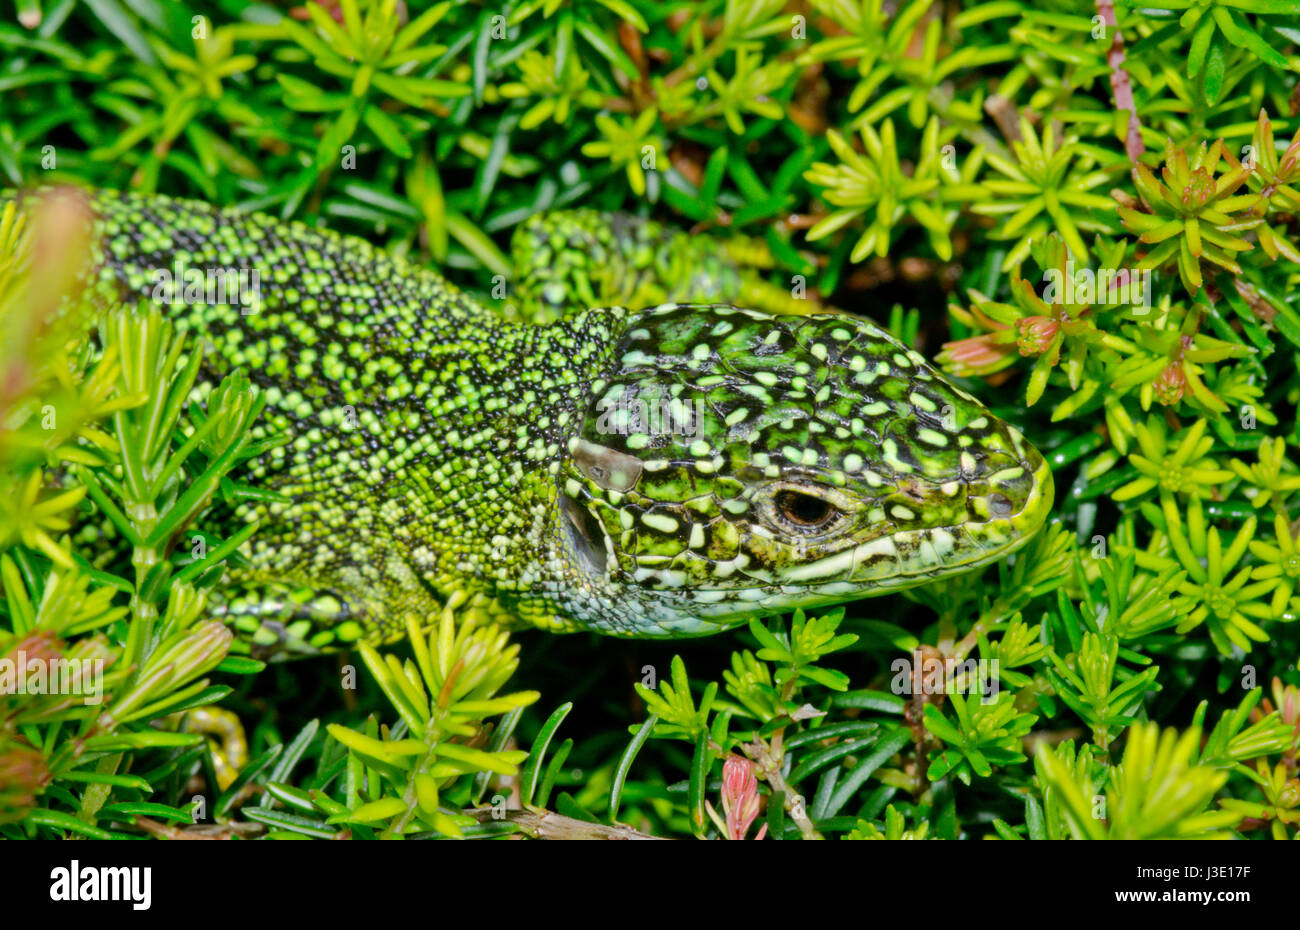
(659, 472)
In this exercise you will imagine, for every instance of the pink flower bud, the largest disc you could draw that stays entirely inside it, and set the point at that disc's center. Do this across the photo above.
(1036, 334)
(1170, 384)
(739, 796)
(1199, 188)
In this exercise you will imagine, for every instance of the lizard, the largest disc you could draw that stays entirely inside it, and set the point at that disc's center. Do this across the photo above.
(666, 466)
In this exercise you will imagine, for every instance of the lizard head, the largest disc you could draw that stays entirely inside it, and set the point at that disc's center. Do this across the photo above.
(733, 463)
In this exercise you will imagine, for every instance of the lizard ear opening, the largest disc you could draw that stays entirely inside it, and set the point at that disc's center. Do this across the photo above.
(586, 536)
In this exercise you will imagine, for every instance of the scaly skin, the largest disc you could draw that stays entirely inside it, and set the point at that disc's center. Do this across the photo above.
(665, 472)
(577, 259)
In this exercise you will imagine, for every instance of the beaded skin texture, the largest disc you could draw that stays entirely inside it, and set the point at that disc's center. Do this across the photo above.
(664, 471)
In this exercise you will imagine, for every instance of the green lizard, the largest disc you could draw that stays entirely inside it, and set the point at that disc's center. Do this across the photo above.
(660, 472)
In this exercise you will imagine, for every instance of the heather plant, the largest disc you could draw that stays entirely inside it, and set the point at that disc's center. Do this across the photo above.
(1087, 212)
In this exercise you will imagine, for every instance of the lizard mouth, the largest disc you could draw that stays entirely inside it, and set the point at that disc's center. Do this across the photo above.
(1003, 511)
(903, 558)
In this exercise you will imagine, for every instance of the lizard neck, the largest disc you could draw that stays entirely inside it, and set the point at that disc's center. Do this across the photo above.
(480, 469)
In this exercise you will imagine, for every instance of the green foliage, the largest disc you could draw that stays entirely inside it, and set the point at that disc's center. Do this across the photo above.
(449, 688)
(986, 733)
(985, 164)
(1190, 213)
(873, 182)
(1042, 191)
(96, 662)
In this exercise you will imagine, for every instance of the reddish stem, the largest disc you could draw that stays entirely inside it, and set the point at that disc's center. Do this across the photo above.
(1120, 85)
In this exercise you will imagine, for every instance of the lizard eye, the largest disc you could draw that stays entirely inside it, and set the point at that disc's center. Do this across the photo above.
(804, 511)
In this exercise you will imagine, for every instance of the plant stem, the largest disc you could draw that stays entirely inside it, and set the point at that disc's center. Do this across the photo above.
(546, 825)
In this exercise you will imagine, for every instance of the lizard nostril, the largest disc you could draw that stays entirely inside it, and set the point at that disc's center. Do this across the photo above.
(1000, 505)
